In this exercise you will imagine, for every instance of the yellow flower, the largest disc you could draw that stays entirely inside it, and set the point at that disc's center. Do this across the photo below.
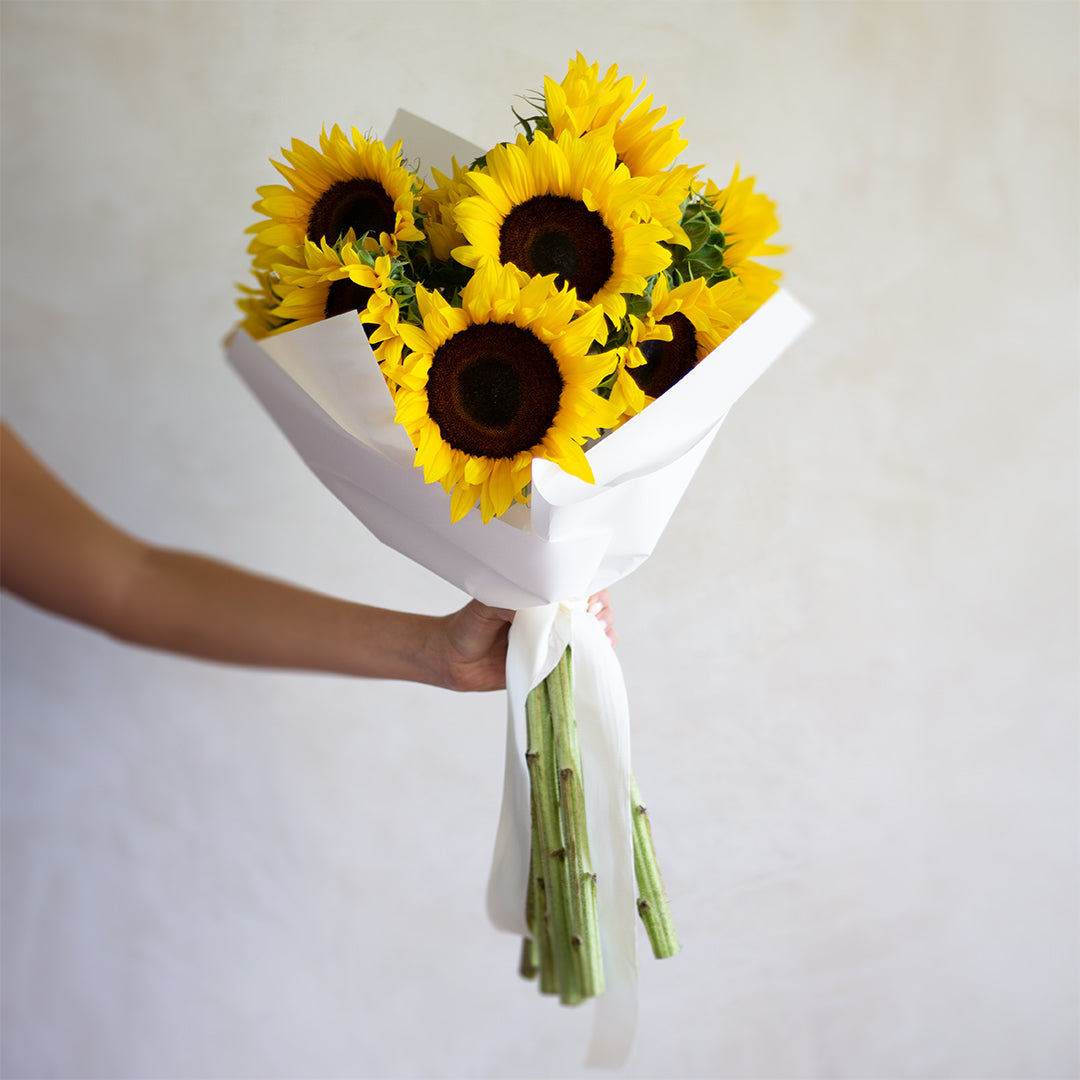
(584, 102)
(566, 208)
(683, 326)
(256, 302)
(501, 380)
(341, 190)
(438, 207)
(747, 220)
(325, 281)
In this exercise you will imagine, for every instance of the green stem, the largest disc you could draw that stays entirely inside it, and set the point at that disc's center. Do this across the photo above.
(540, 758)
(561, 910)
(529, 965)
(537, 916)
(652, 901)
(584, 928)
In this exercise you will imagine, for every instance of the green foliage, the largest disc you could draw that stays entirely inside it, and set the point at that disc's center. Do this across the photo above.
(704, 258)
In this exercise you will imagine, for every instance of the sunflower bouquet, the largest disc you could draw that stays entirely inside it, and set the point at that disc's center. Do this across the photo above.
(526, 332)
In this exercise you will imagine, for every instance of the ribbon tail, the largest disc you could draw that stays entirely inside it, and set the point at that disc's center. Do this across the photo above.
(509, 877)
(603, 716)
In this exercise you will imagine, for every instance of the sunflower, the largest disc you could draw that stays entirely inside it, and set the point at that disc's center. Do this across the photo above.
(683, 326)
(256, 302)
(342, 190)
(585, 102)
(327, 281)
(502, 379)
(747, 220)
(437, 205)
(567, 208)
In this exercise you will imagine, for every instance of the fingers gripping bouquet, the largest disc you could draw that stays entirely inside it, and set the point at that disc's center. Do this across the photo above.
(510, 374)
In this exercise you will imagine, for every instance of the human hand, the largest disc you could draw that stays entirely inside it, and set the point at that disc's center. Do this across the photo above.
(474, 643)
(600, 608)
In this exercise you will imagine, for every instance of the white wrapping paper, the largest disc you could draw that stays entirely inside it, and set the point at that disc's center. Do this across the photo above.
(322, 386)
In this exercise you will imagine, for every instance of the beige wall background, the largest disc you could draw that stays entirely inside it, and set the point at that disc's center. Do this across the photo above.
(852, 660)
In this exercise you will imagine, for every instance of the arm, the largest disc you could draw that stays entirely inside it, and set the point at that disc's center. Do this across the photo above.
(59, 554)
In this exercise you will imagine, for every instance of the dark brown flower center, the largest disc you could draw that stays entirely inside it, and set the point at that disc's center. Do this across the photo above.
(493, 390)
(553, 234)
(666, 362)
(362, 205)
(345, 295)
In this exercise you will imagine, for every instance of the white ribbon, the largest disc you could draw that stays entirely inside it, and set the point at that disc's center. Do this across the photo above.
(538, 638)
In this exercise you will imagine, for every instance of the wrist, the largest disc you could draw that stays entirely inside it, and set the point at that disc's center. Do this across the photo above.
(433, 657)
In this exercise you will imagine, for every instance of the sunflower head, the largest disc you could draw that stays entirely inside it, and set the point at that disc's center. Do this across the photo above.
(683, 326)
(259, 302)
(325, 281)
(438, 204)
(342, 190)
(256, 302)
(565, 207)
(585, 102)
(504, 378)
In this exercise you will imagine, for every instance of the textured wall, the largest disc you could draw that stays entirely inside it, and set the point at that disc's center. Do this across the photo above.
(852, 659)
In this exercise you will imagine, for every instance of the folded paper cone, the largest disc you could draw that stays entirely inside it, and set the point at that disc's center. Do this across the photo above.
(322, 386)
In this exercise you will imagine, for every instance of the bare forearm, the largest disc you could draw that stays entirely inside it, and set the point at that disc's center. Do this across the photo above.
(199, 607)
(61, 555)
